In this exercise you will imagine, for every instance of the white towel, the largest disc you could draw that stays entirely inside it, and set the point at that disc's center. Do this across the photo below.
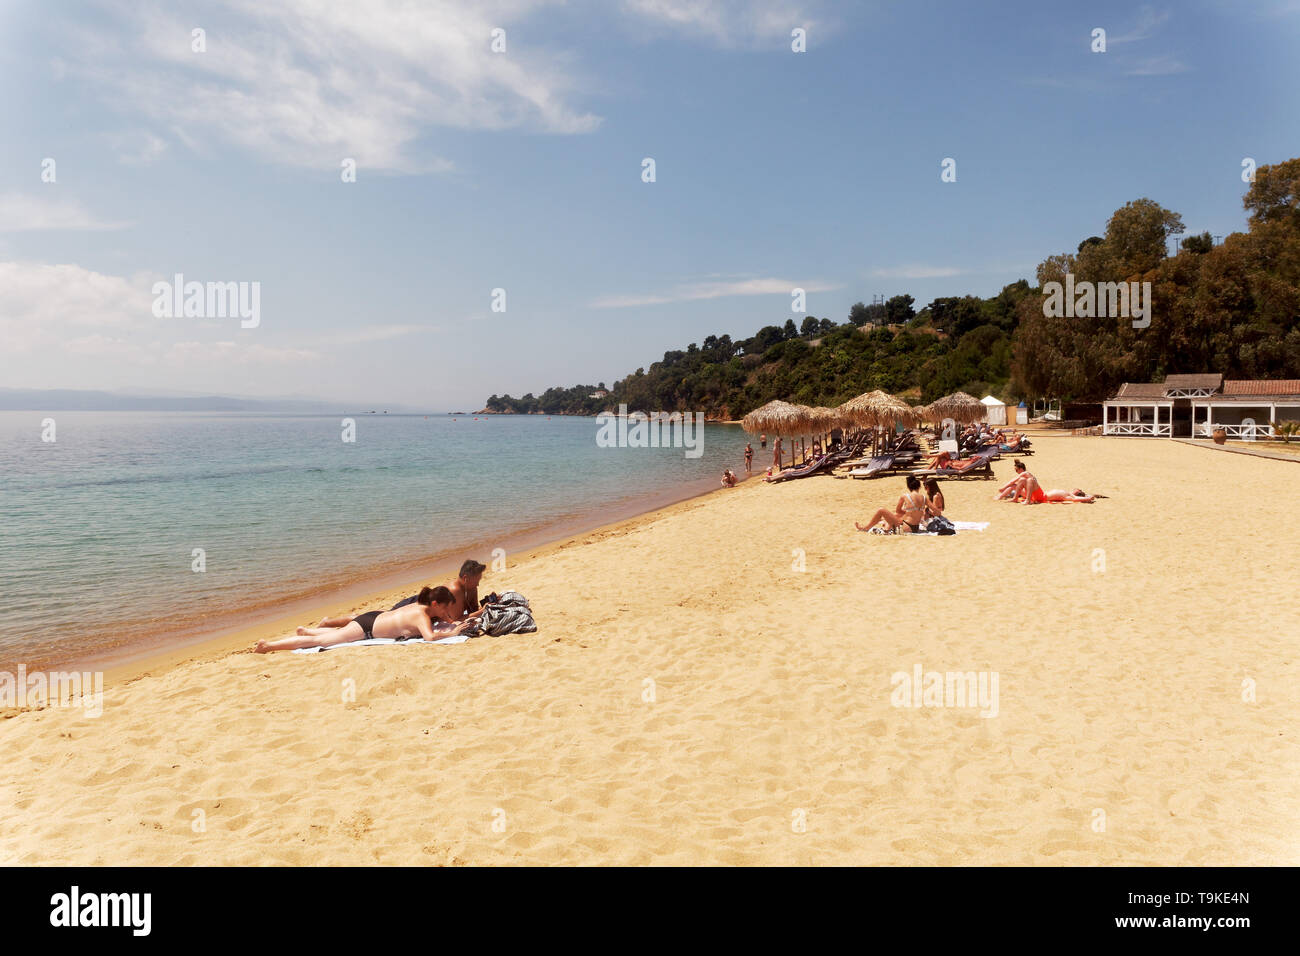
(957, 525)
(454, 639)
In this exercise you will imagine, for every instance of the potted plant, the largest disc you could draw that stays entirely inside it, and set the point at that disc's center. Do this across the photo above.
(1285, 430)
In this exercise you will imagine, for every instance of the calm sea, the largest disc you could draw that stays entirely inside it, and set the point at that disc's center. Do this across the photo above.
(101, 526)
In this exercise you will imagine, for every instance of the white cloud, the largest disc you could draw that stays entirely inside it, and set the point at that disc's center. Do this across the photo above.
(139, 148)
(1149, 19)
(112, 348)
(207, 354)
(711, 290)
(1158, 66)
(916, 271)
(732, 22)
(65, 309)
(307, 83)
(27, 213)
(37, 294)
(378, 333)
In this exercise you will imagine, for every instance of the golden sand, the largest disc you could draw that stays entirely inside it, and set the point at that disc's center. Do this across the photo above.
(691, 698)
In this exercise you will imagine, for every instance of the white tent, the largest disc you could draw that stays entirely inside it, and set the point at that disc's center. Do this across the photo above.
(997, 412)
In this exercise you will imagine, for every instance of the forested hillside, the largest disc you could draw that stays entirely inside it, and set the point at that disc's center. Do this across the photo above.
(1232, 308)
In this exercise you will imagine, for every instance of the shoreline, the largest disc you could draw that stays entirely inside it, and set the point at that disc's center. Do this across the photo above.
(281, 617)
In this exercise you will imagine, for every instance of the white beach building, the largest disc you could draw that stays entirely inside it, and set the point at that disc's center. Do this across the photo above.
(1247, 409)
(1141, 409)
(1198, 405)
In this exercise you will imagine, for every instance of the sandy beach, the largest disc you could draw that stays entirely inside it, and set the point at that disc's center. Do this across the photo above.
(692, 698)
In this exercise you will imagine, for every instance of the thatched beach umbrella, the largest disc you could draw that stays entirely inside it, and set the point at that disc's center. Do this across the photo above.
(805, 418)
(876, 408)
(825, 420)
(822, 422)
(803, 422)
(777, 417)
(958, 406)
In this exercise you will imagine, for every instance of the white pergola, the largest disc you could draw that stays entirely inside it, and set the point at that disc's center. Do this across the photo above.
(1146, 417)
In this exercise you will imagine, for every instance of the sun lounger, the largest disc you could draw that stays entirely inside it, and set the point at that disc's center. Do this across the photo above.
(978, 466)
(821, 464)
(876, 466)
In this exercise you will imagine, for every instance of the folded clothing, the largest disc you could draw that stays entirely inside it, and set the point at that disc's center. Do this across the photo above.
(510, 614)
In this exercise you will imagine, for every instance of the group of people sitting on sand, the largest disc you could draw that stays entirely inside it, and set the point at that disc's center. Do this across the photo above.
(1024, 488)
(434, 613)
(923, 511)
(915, 511)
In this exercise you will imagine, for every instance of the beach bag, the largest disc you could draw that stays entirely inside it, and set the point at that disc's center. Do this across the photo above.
(940, 525)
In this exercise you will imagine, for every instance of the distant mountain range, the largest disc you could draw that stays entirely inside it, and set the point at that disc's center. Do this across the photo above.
(66, 399)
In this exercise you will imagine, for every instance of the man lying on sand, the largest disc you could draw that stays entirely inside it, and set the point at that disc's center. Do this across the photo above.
(425, 618)
(464, 592)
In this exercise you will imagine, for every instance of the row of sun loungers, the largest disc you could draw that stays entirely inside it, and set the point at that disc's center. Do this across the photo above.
(825, 464)
(902, 456)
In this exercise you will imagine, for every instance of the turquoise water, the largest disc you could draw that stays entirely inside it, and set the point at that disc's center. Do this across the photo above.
(100, 525)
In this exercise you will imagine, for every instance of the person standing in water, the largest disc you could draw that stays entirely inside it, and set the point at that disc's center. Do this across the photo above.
(749, 457)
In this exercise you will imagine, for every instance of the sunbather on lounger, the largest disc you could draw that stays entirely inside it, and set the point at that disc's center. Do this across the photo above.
(907, 514)
(413, 620)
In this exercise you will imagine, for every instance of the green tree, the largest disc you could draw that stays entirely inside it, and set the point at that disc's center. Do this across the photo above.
(899, 309)
(1137, 236)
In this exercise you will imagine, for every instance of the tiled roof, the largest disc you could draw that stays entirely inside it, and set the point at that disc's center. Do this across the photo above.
(1141, 391)
(1203, 380)
(1262, 386)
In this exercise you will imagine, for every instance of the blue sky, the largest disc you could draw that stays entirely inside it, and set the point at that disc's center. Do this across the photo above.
(521, 170)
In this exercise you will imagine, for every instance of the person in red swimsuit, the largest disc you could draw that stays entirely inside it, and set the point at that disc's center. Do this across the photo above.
(1015, 489)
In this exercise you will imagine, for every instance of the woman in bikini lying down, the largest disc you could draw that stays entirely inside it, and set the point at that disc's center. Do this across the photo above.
(413, 620)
